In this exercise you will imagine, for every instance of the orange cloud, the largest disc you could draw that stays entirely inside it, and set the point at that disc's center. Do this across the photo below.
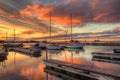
(35, 10)
(117, 28)
(42, 13)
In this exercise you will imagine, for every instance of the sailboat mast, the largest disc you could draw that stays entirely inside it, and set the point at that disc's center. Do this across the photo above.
(50, 27)
(14, 35)
(6, 36)
(71, 25)
(66, 34)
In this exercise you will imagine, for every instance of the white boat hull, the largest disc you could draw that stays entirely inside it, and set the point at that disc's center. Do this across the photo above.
(75, 46)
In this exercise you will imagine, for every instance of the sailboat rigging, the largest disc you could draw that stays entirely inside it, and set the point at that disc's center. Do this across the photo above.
(74, 44)
(52, 46)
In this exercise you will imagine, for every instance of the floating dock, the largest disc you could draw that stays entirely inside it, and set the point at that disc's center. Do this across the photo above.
(105, 60)
(103, 43)
(61, 74)
(92, 73)
(13, 44)
(111, 56)
(106, 57)
(27, 51)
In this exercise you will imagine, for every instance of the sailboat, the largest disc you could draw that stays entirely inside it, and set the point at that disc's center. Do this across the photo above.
(41, 45)
(12, 44)
(74, 44)
(53, 46)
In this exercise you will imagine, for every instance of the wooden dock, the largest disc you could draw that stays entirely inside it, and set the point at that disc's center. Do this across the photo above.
(61, 75)
(103, 43)
(88, 71)
(105, 60)
(111, 56)
(106, 57)
(27, 51)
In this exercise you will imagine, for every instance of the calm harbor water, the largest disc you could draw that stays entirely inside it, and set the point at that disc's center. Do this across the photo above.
(18, 66)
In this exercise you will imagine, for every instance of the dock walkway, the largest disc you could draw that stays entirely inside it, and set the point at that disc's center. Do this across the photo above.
(110, 55)
(29, 51)
(89, 71)
(106, 57)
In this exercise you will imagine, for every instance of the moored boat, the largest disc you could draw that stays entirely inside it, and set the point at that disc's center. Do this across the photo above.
(75, 45)
(40, 45)
(54, 47)
(116, 50)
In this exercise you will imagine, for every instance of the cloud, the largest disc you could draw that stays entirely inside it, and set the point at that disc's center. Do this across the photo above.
(115, 32)
(117, 28)
(29, 32)
(50, 2)
(10, 19)
(34, 15)
(15, 5)
(84, 11)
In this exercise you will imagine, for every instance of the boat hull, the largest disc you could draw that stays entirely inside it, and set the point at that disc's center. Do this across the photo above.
(75, 47)
(116, 50)
(54, 48)
(42, 46)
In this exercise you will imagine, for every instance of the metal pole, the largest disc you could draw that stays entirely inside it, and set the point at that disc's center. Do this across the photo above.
(6, 36)
(71, 26)
(50, 26)
(46, 55)
(14, 35)
(66, 34)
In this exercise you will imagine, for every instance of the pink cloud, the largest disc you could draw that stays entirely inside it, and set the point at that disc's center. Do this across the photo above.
(117, 28)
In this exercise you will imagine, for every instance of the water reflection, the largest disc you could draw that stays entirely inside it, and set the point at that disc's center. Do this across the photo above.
(3, 60)
(54, 51)
(3, 57)
(77, 51)
(58, 74)
(25, 67)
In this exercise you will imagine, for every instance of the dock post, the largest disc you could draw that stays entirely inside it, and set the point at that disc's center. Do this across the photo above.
(46, 55)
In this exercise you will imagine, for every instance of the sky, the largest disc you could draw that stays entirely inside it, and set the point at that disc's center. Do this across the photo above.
(91, 19)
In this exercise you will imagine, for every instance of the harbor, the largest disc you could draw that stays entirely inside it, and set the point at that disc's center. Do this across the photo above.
(66, 63)
(59, 39)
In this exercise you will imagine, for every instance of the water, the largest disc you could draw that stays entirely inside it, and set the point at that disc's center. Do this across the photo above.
(21, 67)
